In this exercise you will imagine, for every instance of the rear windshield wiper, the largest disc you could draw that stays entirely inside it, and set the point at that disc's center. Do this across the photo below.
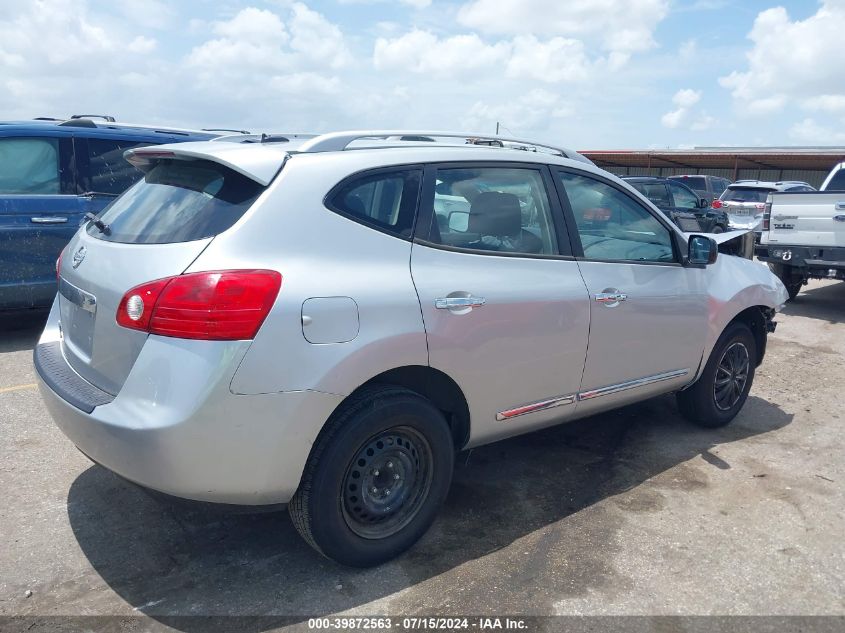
(102, 226)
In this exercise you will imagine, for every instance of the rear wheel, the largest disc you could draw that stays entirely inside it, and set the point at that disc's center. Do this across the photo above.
(376, 477)
(721, 390)
(790, 276)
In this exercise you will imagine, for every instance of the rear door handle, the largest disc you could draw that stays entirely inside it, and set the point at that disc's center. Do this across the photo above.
(53, 219)
(451, 303)
(611, 299)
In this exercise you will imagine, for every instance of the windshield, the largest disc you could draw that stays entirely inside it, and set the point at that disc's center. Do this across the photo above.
(745, 194)
(178, 201)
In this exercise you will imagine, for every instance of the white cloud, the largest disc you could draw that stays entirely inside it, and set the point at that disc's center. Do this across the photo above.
(684, 100)
(790, 60)
(415, 4)
(423, 52)
(809, 131)
(532, 111)
(825, 103)
(142, 44)
(621, 27)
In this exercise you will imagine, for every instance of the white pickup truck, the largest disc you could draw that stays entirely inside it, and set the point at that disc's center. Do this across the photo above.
(804, 233)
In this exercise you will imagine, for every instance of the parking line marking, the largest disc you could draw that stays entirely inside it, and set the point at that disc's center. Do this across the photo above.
(31, 385)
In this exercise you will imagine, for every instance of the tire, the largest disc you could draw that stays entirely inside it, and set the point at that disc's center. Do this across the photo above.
(717, 229)
(708, 404)
(791, 280)
(382, 441)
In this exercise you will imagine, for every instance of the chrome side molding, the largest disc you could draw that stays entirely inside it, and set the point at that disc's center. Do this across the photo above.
(631, 384)
(542, 405)
(558, 401)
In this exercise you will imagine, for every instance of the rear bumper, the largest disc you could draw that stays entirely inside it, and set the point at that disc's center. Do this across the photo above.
(816, 261)
(176, 428)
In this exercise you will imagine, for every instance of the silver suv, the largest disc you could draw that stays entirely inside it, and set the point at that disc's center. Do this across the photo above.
(745, 201)
(325, 322)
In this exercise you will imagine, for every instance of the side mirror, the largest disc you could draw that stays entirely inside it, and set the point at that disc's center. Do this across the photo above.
(703, 203)
(702, 250)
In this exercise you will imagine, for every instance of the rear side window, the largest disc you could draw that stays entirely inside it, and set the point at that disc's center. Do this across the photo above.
(493, 209)
(699, 183)
(29, 166)
(745, 194)
(178, 201)
(386, 200)
(656, 192)
(107, 171)
(837, 183)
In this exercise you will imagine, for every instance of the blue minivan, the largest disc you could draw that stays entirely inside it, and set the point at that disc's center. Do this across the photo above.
(52, 173)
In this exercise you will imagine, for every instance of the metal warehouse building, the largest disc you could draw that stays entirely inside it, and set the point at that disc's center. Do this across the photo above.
(810, 164)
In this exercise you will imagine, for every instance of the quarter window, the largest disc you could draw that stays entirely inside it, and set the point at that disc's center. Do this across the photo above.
(495, 209)
(107, 171)
(386, 200)
(613, 226)
(29, 166)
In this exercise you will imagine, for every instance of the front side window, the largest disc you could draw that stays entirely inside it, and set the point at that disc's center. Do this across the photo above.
(837, 183)
(29, 166)
(385, 200)
(684, 198)
(654, 191)
(107, 170)
(495, 209)
(612, 225)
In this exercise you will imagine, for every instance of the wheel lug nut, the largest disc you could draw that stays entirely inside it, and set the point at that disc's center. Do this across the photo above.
(375, 490)
(390, 464)
(375, 472)
(395, 476)
(387, 492)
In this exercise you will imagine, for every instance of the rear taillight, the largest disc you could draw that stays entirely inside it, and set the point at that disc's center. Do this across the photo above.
(717, 204)
(220, 305)
(767, 216)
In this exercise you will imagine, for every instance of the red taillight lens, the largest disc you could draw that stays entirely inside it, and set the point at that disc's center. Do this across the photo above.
(767, 216)
(222, 305)
(717, 204)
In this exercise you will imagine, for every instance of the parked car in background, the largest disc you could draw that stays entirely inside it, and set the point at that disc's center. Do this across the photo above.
(52, 173)
(705, 185)
(296, 323)
(803, 233)
(683, 205)
(745, 200)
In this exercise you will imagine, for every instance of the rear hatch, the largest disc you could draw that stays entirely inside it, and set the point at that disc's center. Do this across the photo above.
(744, 206)
(156, 229)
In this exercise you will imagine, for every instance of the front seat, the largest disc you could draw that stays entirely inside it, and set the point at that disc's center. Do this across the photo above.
(497, 218)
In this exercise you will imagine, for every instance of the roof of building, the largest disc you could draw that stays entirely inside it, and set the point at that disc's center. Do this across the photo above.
(820, 158)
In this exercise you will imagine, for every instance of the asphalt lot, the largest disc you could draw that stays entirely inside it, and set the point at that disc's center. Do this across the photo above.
(632, 512)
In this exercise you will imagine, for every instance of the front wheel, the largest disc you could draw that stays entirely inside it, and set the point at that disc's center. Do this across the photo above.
(376, 477)
(721, 390)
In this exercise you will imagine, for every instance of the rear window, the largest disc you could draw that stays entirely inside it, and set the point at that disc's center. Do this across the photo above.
(699, 183)
(745, 194)
(178, 201)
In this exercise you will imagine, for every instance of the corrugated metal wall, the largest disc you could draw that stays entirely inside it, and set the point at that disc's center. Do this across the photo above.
(811, 176)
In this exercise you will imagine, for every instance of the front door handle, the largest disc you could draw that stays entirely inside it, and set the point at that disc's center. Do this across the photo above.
(611, 298)
(53, 219)
(452, 303)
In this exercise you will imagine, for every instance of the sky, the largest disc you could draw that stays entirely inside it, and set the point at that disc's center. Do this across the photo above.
(586, 74)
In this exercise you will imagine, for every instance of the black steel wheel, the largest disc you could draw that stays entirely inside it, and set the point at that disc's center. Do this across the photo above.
(387, 482)
(376, 477)
(722, 388)
(731, 376)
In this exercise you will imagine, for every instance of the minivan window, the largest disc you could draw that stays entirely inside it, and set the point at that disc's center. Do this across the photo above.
(107, 171)
(495, 209)
(384, 200)
(178, 201)
(29, 166)
(745, 194)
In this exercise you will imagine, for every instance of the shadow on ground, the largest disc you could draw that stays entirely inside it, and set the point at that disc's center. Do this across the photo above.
(168, 561)
(820, 302)
(20, 330)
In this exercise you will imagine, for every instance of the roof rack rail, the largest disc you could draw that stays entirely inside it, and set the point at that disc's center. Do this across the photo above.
(106, 117)
(339, 141)
(225, 129)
